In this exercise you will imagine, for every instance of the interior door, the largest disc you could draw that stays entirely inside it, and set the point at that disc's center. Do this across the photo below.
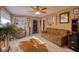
(35, 26)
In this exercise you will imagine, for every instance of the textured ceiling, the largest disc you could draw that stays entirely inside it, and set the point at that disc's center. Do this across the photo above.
(25, 10)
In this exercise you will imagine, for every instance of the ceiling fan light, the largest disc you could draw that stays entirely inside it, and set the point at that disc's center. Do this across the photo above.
(37, 12)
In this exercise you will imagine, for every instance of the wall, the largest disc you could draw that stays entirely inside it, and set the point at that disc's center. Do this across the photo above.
(56, 24)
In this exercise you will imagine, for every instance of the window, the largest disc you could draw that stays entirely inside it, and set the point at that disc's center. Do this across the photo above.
(4, 21)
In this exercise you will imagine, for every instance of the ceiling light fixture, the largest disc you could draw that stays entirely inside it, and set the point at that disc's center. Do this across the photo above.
(37, 12)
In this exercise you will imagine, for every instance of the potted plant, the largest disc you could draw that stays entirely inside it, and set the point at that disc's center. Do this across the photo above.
(7, 32)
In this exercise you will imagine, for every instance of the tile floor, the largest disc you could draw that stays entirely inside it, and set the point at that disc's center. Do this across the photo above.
(51, 46)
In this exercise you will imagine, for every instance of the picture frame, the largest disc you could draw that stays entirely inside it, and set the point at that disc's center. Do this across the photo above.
(76, 11)
(64, 17)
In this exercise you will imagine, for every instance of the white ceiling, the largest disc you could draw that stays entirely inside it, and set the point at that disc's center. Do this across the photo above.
(24, 10)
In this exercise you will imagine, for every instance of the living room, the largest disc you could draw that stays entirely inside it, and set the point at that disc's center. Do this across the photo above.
(50, 30)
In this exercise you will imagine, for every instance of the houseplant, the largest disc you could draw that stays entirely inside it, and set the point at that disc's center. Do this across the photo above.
(7, 32)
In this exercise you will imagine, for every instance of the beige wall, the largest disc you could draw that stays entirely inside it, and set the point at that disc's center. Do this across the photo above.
(56, 24)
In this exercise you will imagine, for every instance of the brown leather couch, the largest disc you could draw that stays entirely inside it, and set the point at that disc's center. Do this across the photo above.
(57, 36)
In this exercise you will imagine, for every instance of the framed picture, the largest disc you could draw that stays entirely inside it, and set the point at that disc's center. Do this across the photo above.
(76, 11)
(64, 17)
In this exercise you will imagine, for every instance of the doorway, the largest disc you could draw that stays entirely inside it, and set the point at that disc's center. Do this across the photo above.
(35, 26)
(75, 26)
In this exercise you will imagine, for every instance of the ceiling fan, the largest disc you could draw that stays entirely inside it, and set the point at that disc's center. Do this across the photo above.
(39, 9)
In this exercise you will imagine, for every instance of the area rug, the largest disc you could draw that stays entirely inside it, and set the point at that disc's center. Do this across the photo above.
(33, 45)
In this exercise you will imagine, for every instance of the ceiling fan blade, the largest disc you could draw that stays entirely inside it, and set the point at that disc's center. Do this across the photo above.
(33, 8)
(43, 11)
(43, 8)
(37, 8)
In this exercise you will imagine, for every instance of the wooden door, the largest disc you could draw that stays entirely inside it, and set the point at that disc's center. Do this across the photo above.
(35, 26)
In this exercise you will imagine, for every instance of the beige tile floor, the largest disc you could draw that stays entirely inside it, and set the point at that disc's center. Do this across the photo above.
(51, 46)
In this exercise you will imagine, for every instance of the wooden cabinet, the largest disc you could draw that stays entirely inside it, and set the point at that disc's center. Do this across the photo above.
(73, 41)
